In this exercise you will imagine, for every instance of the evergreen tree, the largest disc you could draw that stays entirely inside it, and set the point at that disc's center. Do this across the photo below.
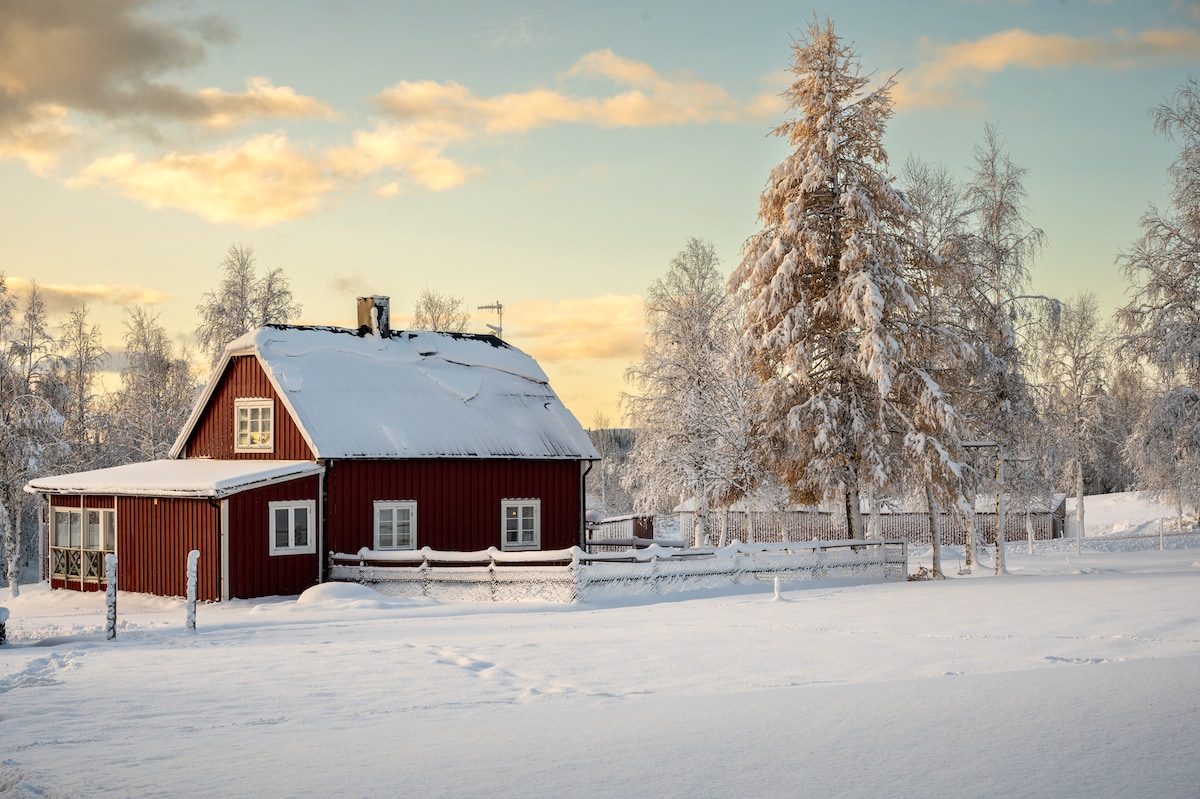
(833, 325)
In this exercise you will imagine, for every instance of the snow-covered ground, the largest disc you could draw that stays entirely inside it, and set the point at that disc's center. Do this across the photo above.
(1074, 676)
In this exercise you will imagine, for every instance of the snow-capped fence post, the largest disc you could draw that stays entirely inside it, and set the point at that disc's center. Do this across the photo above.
(110, 596)
(426, 576)
(3, 621)
(192, 558)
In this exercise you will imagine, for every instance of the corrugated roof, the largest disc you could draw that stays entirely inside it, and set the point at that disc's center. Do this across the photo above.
(195, 477)
(414, 394)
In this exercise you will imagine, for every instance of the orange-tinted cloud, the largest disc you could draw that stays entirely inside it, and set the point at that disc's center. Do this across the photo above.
(258, 182)
(946, 70)
(61, 297)
(578, 328)
(649, 99)
(261, 100)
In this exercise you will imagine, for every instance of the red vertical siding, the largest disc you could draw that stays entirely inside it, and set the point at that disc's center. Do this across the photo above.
(213, 435)
(154, 537)
(253, 570)
(458, 501)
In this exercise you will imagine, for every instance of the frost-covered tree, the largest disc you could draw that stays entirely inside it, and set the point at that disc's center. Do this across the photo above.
(243, 301)
(155, 395)
(1070, 354)
(605, 483)
(1164, 449)
(833, 326)
(30, 426)
(687, 319)
(943, 274)
(441, 312)
(1002, 245)
(81, 357)
(1162, 318)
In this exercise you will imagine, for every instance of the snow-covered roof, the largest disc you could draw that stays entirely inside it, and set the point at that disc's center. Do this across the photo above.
(194, 477)
(412, 394)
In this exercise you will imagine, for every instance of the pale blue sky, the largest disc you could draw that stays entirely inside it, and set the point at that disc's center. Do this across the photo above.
(502, 151)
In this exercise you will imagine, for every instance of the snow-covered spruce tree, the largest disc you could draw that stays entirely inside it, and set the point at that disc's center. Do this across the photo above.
(687, 315)
(833, 326)
(243, 302)
(1162, 319)
(1001, 246)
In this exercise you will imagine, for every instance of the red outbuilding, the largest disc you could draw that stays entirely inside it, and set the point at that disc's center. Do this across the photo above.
(309, 440)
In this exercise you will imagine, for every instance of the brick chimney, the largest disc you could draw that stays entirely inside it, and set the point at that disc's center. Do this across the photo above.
(374, 316)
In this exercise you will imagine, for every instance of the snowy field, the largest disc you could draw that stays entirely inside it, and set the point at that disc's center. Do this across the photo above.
(1074, 676)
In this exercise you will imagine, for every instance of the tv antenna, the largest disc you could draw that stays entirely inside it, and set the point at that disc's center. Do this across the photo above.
(498, 307)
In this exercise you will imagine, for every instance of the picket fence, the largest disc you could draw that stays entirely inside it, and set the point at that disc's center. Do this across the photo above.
(572, 575)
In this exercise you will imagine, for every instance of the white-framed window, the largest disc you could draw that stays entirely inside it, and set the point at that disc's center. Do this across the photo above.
(396, 525)
(521, 524)
(254, 425)
(293, 527)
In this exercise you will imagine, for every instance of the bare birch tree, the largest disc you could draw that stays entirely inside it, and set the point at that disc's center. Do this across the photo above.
(440, 312)
(242, 302)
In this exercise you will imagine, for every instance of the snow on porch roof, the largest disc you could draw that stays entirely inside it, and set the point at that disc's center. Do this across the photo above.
(412, 394)
(195, 477)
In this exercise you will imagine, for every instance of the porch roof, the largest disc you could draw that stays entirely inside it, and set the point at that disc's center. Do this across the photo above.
(191, 477)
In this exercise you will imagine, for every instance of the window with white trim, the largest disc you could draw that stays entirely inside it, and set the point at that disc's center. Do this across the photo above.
(521, 524)
(254, 425)
(396, 525)
(293, 527)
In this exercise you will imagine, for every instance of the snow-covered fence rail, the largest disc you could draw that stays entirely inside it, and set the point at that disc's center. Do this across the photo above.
(571, 575)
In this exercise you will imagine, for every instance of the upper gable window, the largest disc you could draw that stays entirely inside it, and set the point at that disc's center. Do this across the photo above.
(254, 425)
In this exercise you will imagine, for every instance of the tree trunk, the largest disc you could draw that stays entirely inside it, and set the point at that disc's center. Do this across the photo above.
(12, 548)
(1079, 527)
(854, 519)
(935, 532)
(1001, 566)
(969, 534)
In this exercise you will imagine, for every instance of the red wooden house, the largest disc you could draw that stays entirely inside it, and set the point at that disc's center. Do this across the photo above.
(309, 440)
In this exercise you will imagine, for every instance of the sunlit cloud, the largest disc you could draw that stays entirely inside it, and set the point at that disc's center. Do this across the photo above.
(947, 70)
(259, 182)
(261, 100)
(649, 99)
(607, 327)
(60, 297)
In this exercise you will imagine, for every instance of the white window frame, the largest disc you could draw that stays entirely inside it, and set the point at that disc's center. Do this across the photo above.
(510, 504)
(395, 505)
(245, 406)
(291, 505)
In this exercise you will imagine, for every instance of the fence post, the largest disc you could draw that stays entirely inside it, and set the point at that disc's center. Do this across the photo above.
(110, 596)
(3, 622)
(192, 558)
